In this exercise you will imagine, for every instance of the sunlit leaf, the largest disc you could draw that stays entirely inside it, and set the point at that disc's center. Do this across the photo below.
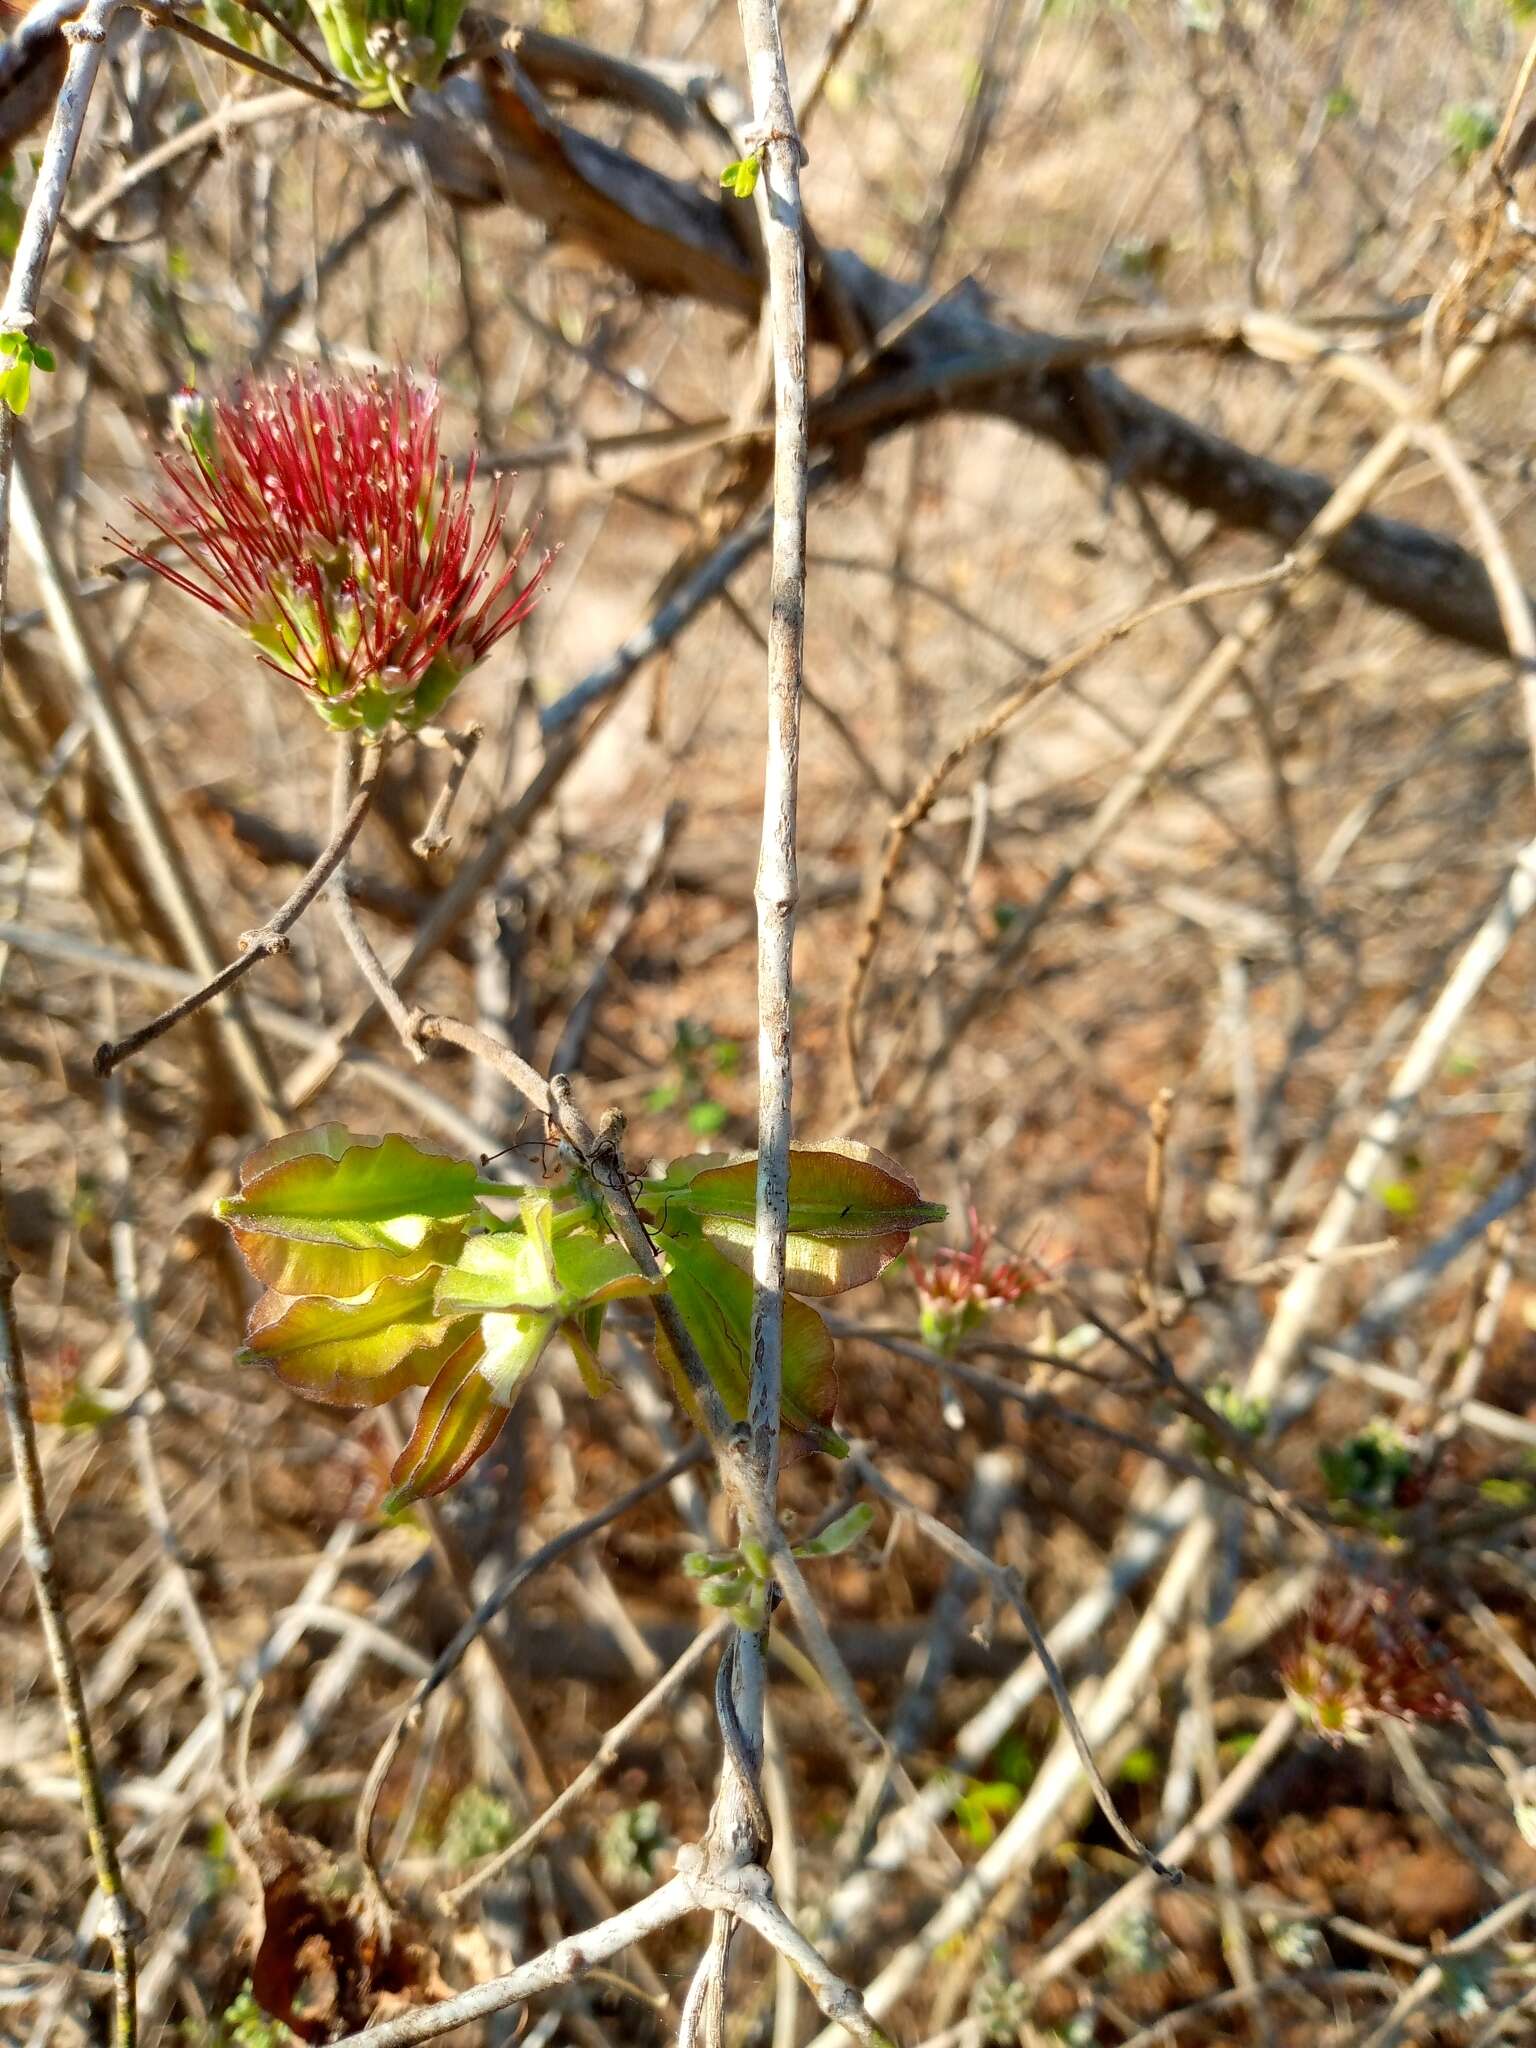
(715, 1298)
(290, 1266)
(851, 1211)
(502, 1270)
(741, 176)
(461, 1416)
(394, 1207)
(353, 1353)
(593, 1269)
(534, 1268)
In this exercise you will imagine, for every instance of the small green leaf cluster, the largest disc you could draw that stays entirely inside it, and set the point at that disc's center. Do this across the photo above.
(25, 356)
(1136, 1946)
(631, 1845)
(981, 1804)
(1246, 1416)
(476, 1826)
(1298, 1944)
(1366, 1475)
(738, 1580)
(242, 2024)
(1470, 130)
(383, 1268)
(380, 47)
(699, 1056)
(740, 177)
(1000, 2004)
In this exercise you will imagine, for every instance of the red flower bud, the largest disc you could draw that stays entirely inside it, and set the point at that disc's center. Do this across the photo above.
(317, 513)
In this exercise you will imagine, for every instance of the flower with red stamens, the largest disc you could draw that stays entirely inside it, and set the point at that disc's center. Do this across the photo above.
(318, 514)
(1360, 1656)
(957, 1291)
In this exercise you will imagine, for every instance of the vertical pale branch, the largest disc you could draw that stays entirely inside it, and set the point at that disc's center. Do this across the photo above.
(37, 1547)
(778, 143)
(738, 1829)
(87, 38)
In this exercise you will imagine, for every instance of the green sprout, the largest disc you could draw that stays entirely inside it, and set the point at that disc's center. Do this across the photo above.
(16, 381)
(741, 176)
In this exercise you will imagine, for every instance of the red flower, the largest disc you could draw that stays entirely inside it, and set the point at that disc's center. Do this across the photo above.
(1362, 1655)
(318, 514)
(957, 1290)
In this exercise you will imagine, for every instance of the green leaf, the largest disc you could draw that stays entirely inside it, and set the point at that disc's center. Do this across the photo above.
(16, 387)
(840, 1535)
(1140, 1767)
(460, 1417)
(513, 1345)
(531, 1268)
(84, 1410)
(715, 1298)
(16, 382)
(980, 1806)
(1470, 130)
(741, 176)
(851, 1211)
(355, 1353)
(1508, 1493)
(505, 1269)
(393, 1202)
(705, 1118)
(706, 1564)
(477, 1824)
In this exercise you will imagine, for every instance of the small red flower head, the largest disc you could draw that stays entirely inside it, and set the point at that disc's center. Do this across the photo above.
(957, 1291)
(317, 513)
(1360, 1656)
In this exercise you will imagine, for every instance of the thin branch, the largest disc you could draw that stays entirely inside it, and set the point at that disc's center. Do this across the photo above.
(448, 1662)
(348, 923)
(433, 836)
(603, 1758)
(565, 1963)
(119, 1922)
(777, 888)
(1006, 1582)
(1019, 699)
(212, 129)
(87, 38)
(747, 1894)
(648, 856)
(163, 15)
(427, 1028)
(269, 938)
